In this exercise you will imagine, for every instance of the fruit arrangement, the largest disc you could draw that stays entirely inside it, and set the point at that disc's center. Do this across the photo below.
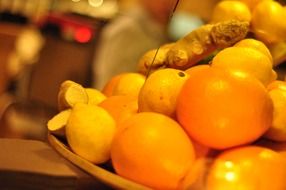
(178, 124)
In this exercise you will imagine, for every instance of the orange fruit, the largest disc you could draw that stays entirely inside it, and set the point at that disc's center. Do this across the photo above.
(196, 67)
(152, 149)
(124, 84)
(160, 91)
(279, 147)
(277, 92)
(227, 10)
(222, 109)
(195, 177)
(247, 60)
(109, 86)
(120, 107)
(268, 22)
(250, 3)
(255, 44)
(249, 167)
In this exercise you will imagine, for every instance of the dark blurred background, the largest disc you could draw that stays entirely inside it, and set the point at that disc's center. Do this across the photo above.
(44, 42)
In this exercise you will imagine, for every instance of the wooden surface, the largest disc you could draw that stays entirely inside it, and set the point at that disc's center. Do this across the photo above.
(30, 164)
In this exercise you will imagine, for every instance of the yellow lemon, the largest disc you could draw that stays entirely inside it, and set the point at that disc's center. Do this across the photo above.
(268, 22)
(227, 10)
(90, 131)
(247, 60)
(160, 91)
(94, 96)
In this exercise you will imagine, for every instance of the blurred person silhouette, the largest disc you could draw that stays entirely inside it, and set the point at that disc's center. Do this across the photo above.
(132, 33)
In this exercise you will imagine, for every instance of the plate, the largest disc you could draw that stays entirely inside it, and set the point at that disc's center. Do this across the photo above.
(107, 177)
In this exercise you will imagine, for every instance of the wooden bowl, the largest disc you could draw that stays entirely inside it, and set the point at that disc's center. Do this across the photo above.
(101, 174)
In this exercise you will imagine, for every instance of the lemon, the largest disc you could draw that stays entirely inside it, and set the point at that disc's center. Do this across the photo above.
(247, 60)
(90, 131)
(268, 22)
(160, 91)
(71, 93)
(94, 96)
(56, 124)
(227, 10)
(255, 44)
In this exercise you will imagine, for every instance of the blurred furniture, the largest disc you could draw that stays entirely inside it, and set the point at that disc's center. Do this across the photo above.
(8, 36)
(33, 70)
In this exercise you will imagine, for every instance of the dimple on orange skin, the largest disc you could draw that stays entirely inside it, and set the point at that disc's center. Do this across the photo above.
(223, 109)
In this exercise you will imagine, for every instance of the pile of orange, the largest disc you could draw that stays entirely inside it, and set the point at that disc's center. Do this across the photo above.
(200, 128)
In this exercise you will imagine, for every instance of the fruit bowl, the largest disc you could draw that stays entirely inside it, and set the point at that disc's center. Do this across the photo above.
(103, 175)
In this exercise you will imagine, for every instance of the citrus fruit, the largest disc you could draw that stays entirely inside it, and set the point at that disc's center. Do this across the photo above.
(125, 84)
(249, 167)
(152, 149)
(255, 44)
(250, 3)
(56, 124)
(195, 177)
(160, 91)
(90, 131)
(71, 93)
(221, 108)
(277, 92)
(197, 67)
(94, 96)
(279, 147)
(111, 83)
(247, 60)
(227, 10)
(268, 21)
(120, 107)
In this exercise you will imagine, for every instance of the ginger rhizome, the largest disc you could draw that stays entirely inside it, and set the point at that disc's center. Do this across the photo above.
(194, 47)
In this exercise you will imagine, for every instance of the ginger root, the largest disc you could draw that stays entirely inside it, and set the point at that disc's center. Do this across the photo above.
(195, 46)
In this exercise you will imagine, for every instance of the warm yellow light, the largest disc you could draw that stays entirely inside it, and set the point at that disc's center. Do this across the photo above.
(228, 164)
(230, 176)
(75, 1)
(95, 3)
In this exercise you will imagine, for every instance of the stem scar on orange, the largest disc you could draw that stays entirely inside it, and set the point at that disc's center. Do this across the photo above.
(222, 109)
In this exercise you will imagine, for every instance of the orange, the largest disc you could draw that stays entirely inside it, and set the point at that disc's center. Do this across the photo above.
(222, 109)
(152, 149)
(109, 86)
(249, 168)
(277, 92)
(245, 59)
(120, 107)
(279, 147)
(124, 84)
(195, 177)
(251, 3)
(160, 91)
(197, 67)
(227, 10)
(255, 44)
(268, 22)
